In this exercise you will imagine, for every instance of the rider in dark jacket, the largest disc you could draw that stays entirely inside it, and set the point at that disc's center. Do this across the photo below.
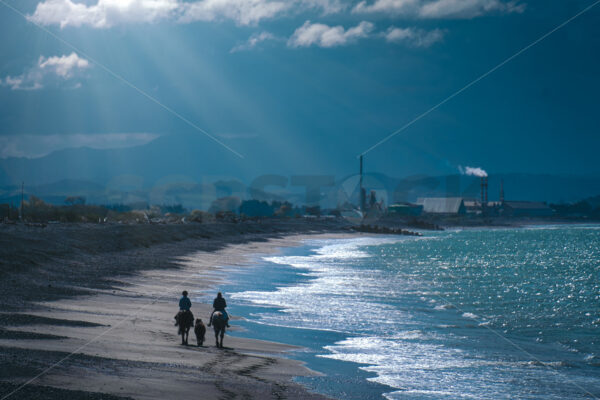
(184, 306)
(219, 304)
(184, 302)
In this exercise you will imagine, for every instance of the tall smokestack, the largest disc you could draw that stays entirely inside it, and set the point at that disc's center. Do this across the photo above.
(502, 191)
(361, 171)
(484, 191)
(362, 191)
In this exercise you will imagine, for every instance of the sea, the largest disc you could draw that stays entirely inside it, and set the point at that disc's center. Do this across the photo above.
(459, 314)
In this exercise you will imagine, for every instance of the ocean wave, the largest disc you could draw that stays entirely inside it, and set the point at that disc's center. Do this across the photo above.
(444, 307)
(383, 299)
(553, 364)
(435, 394)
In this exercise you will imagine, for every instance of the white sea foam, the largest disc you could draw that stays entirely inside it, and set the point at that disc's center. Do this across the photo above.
(333, 278)
(385, 305)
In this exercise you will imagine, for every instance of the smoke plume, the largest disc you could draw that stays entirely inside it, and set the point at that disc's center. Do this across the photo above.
(473, 171)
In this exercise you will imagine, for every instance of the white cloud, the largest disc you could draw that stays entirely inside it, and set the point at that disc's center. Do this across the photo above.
(439, 8)
(103, 14)
(33, 146)
(63, 68)
(328, 36)
(413, 37)
(467, 8)
(108, 13)
(244, 12)
(388, 6)
(253, 41)
(327, 6)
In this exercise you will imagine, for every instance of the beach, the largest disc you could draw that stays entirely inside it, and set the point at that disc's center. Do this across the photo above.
(87, 312)
(316, 311)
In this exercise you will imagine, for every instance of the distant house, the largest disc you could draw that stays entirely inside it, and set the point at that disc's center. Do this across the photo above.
(443, 205)
(405, 209)
(526, 209)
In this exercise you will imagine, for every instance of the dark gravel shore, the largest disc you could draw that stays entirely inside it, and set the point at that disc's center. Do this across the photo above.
(60, 261)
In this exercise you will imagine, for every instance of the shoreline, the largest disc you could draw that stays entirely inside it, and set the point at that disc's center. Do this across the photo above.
(311, 341)
(134, 350)
(83, 286)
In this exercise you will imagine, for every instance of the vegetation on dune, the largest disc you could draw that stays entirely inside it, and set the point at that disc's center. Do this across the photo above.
(75, 209)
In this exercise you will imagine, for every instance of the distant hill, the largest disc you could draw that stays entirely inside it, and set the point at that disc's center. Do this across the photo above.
(181, 169)
(166, 156)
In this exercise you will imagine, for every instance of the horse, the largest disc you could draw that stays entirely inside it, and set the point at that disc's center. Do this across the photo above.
(199, 330)
(185, 320)
(219, 324)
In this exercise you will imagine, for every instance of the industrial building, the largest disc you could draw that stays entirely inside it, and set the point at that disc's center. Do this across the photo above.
(443, 205)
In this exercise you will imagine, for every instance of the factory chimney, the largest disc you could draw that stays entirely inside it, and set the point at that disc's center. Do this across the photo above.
(484, 192)
(502, 191)
(363, 192)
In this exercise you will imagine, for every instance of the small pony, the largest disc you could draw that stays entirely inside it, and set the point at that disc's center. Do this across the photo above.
(199, 330)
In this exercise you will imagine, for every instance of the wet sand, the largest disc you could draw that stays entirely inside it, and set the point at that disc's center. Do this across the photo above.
(116, 335)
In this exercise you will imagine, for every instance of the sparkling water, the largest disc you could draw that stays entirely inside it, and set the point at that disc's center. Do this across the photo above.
(478, 313)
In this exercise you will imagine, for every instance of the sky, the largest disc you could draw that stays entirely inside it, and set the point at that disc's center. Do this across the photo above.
(304, 86)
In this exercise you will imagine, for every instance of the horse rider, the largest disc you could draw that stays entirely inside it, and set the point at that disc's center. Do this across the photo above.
(219, 304)
(184, 302)
(184, 305)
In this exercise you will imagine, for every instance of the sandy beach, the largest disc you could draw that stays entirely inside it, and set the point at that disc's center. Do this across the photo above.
(110, 329)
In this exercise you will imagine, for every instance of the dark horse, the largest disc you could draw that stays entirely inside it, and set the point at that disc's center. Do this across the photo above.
(219, 324)
(199, 330)
(185, 320)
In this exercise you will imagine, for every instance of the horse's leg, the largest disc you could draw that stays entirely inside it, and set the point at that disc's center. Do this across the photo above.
(222, 334)
(217, 335)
